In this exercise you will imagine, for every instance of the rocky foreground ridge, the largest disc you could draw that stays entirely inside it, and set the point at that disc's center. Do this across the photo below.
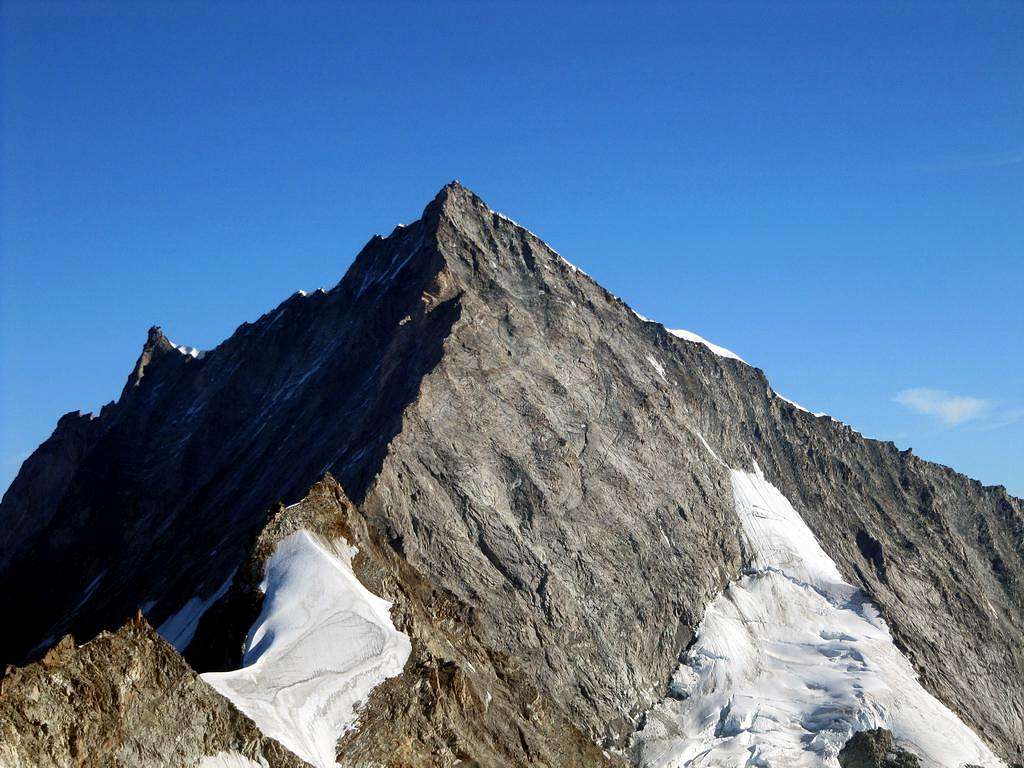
(531, 472)
(125, 698)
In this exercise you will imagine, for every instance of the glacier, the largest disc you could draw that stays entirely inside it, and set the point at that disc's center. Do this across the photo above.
(790, 660)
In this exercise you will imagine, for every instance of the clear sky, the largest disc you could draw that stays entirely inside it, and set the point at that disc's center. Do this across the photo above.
(833, 190)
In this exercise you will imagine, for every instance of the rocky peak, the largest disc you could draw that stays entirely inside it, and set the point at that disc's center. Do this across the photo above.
(157, 344)
(521, 442)
(460, 235)
(453, 197)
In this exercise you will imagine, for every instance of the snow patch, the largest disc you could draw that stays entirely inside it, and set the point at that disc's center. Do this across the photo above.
(187, 351)
(704, 442)
(320, 645)
(180, 627)
(565, 261)
(657, 367)
(783, 398)
(385, 275)
(720, 351)
(791, 660)
(795, 404)
(190, 351)
(231, 760)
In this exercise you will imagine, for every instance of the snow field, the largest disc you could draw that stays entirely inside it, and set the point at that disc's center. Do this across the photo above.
(320, 645)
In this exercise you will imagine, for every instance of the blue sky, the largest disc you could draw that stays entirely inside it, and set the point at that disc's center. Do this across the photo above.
(833, 190)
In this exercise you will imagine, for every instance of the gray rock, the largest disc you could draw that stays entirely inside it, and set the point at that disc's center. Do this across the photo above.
(875, 749)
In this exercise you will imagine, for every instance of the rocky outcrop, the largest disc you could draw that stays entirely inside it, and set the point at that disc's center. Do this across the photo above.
(124, 700)
(530, 461)
(875, 749)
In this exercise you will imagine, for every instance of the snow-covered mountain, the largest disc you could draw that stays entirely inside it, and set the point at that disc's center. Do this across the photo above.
(468, 507)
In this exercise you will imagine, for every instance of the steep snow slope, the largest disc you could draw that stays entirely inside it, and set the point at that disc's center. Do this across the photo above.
(791, 660)
(180, 627)
(320, 645)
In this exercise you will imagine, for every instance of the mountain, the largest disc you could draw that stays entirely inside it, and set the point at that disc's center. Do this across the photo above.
(591, 530)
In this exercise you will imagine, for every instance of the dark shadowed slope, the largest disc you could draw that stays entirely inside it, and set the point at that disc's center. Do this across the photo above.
(155, 500)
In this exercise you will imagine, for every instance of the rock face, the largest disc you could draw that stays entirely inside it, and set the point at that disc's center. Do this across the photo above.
(124, 700)
(457, 701)
(527, 459)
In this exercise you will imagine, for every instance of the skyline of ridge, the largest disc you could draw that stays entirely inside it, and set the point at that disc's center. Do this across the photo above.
(832, 193)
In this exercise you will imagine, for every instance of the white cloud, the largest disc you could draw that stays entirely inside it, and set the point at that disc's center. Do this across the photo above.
(948, 408)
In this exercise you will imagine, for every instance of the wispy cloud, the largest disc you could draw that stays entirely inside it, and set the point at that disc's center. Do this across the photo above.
(950, 409)
(1006, 417)
(996, 160)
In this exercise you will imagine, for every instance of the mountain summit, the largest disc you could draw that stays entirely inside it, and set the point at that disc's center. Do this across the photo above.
(562, 502)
